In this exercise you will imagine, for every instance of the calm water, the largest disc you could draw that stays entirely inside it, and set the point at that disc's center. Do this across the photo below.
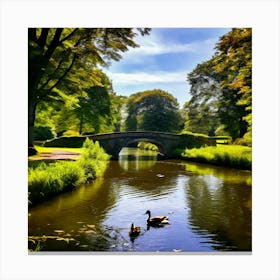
(209, 209)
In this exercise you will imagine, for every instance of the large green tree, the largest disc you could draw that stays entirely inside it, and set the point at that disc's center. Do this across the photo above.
(93, 108)
(221, 88)
(233, 65)
(201, 111)
(61, 62)
(153, 110)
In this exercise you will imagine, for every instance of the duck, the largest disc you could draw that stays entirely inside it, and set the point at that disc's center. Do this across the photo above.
(134, 231)
(157, 220)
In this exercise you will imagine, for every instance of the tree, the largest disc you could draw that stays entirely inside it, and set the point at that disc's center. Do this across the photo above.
(233, 64)
(61, 62)
(95, 107)
(154, 110)
(221, 88)
(201, 112)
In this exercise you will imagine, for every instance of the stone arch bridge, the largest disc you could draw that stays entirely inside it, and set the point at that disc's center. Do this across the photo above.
(167, 143)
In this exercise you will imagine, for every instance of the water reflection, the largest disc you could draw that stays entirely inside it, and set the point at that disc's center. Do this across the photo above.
(136, 159)
(209, 209)
(220, 207)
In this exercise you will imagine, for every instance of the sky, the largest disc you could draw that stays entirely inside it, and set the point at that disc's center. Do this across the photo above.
(163, 60)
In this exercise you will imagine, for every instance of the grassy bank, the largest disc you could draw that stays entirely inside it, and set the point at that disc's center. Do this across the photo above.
(226, 155)
(46, 180)
(41, 149)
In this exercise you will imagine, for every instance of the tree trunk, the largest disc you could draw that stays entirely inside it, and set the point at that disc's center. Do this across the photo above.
(31, 120)
(81, 125)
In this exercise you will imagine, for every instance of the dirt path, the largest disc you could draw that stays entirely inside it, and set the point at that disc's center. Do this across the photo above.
(55, 155)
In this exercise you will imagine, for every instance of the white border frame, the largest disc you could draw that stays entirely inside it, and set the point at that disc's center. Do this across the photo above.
(262, 16)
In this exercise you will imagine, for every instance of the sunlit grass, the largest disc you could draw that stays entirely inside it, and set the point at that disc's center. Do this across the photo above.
(226, 155)
(42, 149)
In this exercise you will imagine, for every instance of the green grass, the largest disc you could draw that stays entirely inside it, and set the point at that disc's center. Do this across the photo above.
(226, 155)
(46, 180)
(42, 149)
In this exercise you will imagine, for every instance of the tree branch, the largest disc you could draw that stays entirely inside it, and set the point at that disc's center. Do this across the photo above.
(54, 44)
(63, 76)
(51, 75)
(43, 37)
(70, 35)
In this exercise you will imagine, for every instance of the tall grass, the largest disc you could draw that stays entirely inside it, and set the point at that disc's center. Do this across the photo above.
(48, 180)
(230, 155)
(93, 159)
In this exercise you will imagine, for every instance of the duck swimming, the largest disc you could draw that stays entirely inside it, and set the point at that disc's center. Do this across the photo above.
(156, 220)
(134, 231)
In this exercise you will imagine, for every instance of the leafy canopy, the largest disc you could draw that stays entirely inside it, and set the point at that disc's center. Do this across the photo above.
(155, 110)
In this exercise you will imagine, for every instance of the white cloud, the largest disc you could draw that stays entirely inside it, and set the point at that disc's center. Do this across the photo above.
(153, 45)
(145, 77)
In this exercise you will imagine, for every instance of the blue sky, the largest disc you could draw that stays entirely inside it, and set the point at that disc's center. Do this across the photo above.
(163, 60)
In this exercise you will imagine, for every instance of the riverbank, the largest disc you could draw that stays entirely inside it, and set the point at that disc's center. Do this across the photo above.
(49, 175)
(234, 156)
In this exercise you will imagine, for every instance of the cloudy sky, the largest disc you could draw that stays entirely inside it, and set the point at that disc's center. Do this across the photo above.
(163, 60)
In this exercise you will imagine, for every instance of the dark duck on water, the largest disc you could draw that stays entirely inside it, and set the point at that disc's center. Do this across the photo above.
(156, 220)
(134, 231)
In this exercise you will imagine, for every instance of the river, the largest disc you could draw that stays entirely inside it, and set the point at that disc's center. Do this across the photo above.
(209, 209)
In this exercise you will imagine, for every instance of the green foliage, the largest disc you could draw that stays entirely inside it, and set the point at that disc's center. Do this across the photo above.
(69, 142)
(153, 110)
(221, 89)
(200, 112)
(48, 180)
(147, 146)
(43, 133)
(243, 142)
(185, 132)
(226, 155)
(62, 62)
(93, 160)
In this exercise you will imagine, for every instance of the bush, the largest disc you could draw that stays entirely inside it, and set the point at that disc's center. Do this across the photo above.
(43, 133)
(93, 160)
(69, 142)
(147, 146)
(243, 142)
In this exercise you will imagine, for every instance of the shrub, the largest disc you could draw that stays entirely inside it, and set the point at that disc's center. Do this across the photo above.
(93, 159)
(243, 142)
(43, 133)
(70, 142)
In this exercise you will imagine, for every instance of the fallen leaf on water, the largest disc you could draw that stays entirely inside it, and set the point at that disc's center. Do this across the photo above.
(89, 231)
(59, 231)
(65, 239)
(91, 226)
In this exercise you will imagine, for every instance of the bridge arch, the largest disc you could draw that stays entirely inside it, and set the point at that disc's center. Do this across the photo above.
(153, 141)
